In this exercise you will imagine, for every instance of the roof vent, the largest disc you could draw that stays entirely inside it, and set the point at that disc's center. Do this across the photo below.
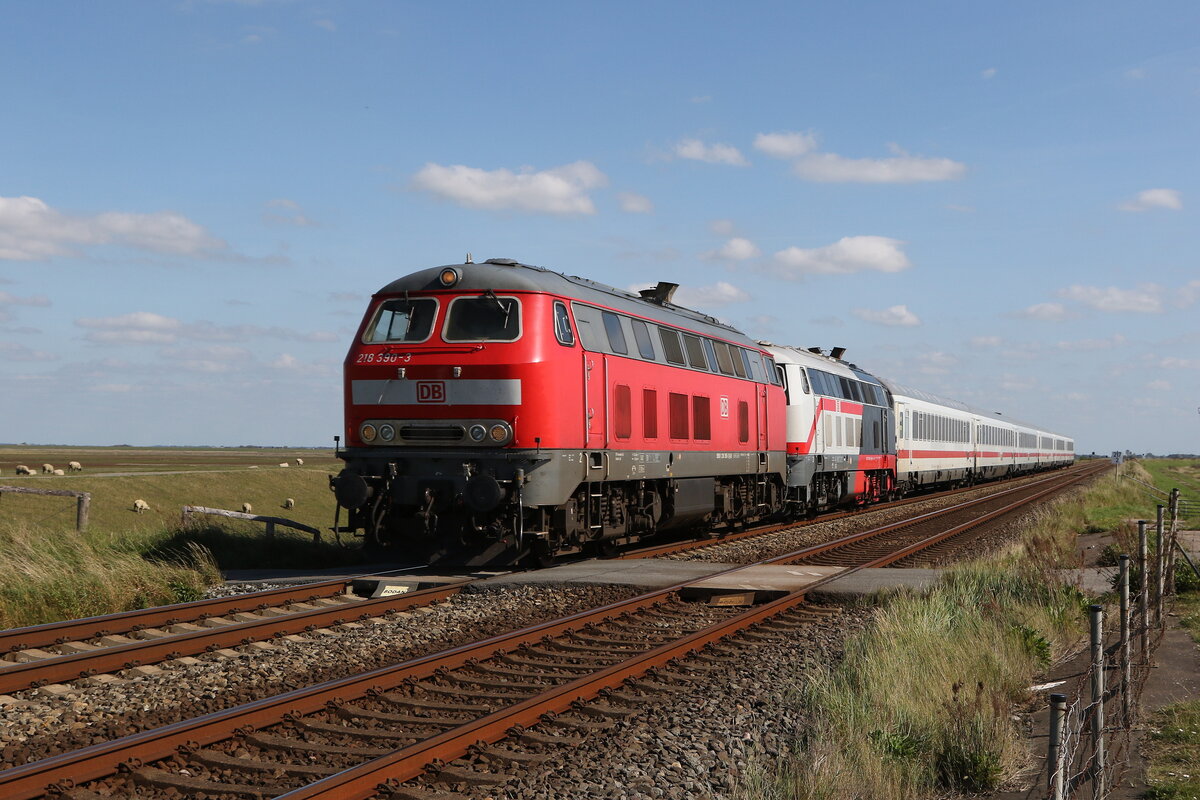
(662, 293)
(837, 352)
(469, 259)
(503, 262)
(816, 350)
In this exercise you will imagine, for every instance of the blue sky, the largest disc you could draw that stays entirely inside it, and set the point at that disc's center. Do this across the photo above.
(992, 202)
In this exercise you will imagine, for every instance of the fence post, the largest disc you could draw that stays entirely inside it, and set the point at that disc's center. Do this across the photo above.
(1125, 677)
(1174, 535)
(1143, 593)
(1098, 763)
(1054, 755)
(1159, 567)
(82, 504)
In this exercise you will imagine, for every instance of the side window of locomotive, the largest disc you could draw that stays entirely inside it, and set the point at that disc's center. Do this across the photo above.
(739, 360)
(672, 347)
(787, 392)
(695, 352)
(403, 320)
(772, 372)
(562, 325)
(641, 335)
(804, 380)
(724, 360)
(756, 368)
(486, 318)
(616, 336)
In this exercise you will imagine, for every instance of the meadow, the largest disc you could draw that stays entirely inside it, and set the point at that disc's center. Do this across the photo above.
(127, 559)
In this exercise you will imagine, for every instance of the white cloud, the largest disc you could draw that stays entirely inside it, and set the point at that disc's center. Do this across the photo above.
(1154, 198)
(145, 327)
(1145, 300)
(934, 363)
(847, 255)
(30, 230)
(985, 341)
(282, 211)
(12, 351)
(327, 24)
(697, 150)
(896, 316)
(988, 73)
(112, 388)
(701, 98)
(736, 249)
(7, 299)
(786, 144)
(1083, 345)
(1046, 312)
(633, 203)
(1159, 386)
(561, 190)
(721, 227)
(715, 296)
(902, 168)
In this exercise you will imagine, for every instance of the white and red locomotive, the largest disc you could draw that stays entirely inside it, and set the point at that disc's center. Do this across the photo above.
(499, 411)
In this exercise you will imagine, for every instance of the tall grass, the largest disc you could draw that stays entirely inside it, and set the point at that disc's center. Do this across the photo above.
(921, 703)
(50, 578)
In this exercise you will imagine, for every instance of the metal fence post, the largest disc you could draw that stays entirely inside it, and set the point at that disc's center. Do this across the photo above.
(1159, 567)
(1174, 535)
(1125, 677)
(1098, 763)
(1143, 593)
(1054, 755)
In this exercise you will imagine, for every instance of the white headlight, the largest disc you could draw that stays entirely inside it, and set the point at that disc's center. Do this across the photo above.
(478, 433)
(387, 432)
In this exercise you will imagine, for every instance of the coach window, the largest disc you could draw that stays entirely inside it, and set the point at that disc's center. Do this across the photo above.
(740, 365)
(623, 424)
(671, 346)
(677, 412)
(650, 413)
(695, 352)
(616, 336)
(724, 360)
(701, 418)
(486, 318)
(562, 325)
(743, 421)
(403, 321)
(641, 335)
(772, 375)
(804, 381)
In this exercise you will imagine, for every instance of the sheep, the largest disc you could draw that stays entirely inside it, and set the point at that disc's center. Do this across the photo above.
(58, 472)
(75, 466)
(247, 508)
(299, 462)
(47, 469)
(140, 505)
(289, 503)
(23, 470)
(284, 464)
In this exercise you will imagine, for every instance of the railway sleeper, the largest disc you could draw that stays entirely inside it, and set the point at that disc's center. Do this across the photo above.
(492, 669)
(370, 734)
(461, 691)
(554, 740)
(497, 683)
(451, 774)
(513, 756)
(215, 758)
(269, 741)
(593, 662)
(419, 793)
(161, 779)
(601, 649)
(584, 725)
(354, 712)
(436, 705)
(601, 641)
(517, 660)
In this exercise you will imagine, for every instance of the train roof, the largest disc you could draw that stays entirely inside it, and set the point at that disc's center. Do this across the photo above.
(504, 274)
(930, 397)
(814, 357)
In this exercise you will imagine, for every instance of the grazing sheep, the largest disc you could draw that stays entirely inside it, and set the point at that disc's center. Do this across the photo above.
(58, 472)
(47, 469)
(299, 462)
(247, 508)
(140, 505)
(284, 464)
(289, 503)
(23, 470)
(75, 466)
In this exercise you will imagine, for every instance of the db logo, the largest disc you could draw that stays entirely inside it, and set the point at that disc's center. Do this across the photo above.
(431, 392)
(725, 407)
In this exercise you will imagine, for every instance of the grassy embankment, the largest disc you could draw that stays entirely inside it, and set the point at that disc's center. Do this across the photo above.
(1174, 746)
(127, 560)
(921, 703)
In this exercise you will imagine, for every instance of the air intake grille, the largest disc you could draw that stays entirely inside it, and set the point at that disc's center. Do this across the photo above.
(432, 433)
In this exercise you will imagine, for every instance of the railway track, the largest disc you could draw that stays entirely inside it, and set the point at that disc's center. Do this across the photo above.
(516, 692)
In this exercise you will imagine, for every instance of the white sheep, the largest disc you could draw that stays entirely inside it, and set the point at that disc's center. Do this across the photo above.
(75, 466)
(289, 503)
(284, 464)
(47, 469)
(23, 470)
(247, 508)
(58, 472)
(299, 462)
(140, 505)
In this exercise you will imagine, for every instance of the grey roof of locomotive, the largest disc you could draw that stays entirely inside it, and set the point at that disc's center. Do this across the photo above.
(505, 275)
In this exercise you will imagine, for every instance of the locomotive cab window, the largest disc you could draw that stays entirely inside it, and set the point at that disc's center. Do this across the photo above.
(616, 336)
(641, 335)
(403, 320)
(485, 318)
(562, 325)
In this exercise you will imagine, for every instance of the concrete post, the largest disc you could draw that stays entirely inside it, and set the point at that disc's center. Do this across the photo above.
(1125, 661)
(1143, 593)
(1173, 535)
(1099, 776)
(1160, 567)
(82, 505)
(1055, 766)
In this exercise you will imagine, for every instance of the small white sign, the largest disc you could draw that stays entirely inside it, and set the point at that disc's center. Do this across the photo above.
(388, 591)
(725, 408)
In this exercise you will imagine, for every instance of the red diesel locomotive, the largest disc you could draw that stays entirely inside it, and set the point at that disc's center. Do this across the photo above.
(498, 411)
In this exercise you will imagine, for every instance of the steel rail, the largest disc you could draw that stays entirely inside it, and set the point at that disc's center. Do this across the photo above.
(63, 668)
(97, 761)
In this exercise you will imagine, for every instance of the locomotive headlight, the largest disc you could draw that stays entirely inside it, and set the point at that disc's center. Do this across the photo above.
(387, 432)
(478, 433)
(449, 277)
(500, 433)
(367, 432)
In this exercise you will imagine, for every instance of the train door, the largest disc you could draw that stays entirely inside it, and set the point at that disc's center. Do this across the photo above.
(595, 388)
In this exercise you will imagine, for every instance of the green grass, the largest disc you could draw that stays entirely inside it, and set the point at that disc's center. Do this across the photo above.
(1174, 746)
(921, 703)
(126, 560)
(1181, 474)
